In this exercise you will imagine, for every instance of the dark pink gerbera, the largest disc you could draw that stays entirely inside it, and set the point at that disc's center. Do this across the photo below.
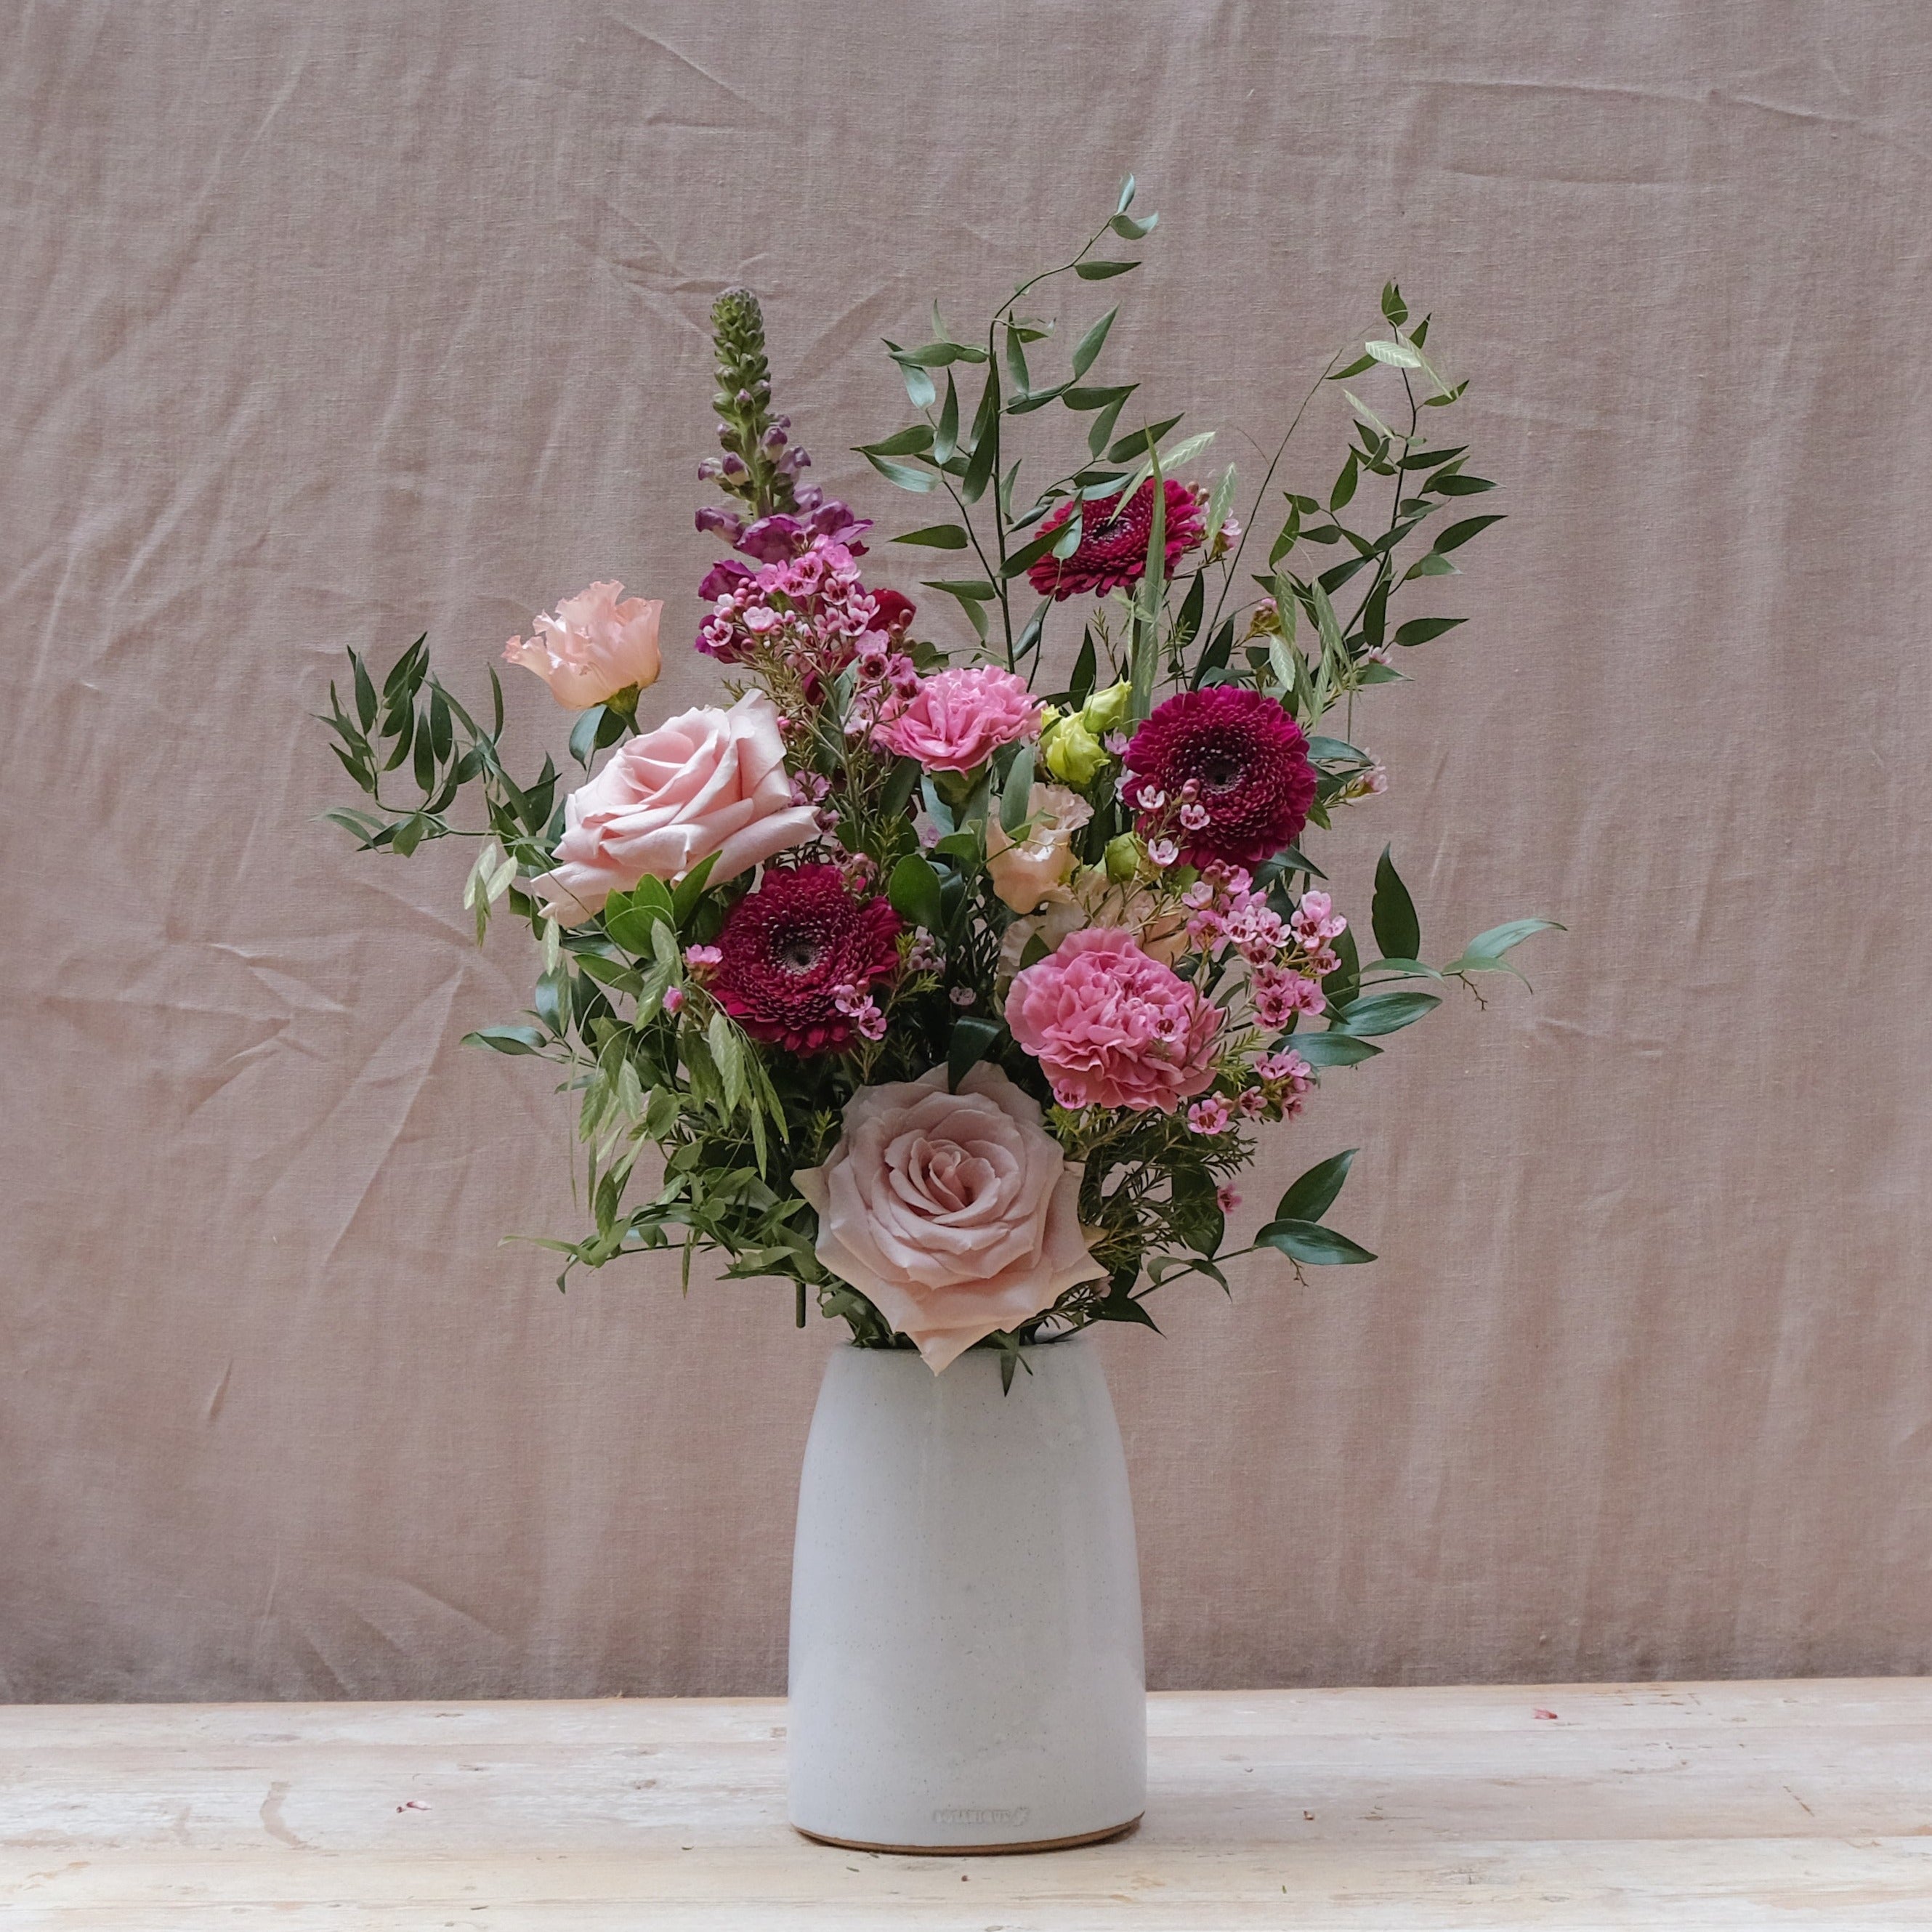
(1114, 542)
(789, 950)
(1224, 772)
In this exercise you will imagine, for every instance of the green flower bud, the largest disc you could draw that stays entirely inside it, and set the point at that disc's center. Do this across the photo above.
(1123, 857)
(1106, 710)
(1073, 754)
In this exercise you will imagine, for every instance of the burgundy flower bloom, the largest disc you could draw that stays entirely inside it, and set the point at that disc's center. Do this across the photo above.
(1247, 763)
(1114, 542)
(789, 949)
(893, 612)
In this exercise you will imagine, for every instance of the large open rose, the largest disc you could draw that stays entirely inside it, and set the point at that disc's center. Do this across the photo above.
(705, 781)
(954, 1213)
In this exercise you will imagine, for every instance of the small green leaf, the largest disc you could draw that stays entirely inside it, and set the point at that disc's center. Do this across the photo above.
(1311, 1197)
(916, 439)
(951, 536)
(1015, 801)
(1331, 1048)
(1379, 1013)
(1396, 355)
(1086, 669)
(1431, 565)
(1133, 227)
(1457, 535)
(365, 691)
(1102, 271)
(1398, 932)
(690, 890)
(919, 388)
(1090, 344)
(972, 1038)
(1420, 630)
(1484, 953)
(1126, 200)
(584, 735)
(946, 438)
(974, 590)
(913, 890)
(919, 481)
(507, 1039)
(1310, 1243)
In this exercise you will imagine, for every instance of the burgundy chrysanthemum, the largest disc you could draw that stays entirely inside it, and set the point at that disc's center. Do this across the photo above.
(790, 947)
(1247, 762)
(1114, 542)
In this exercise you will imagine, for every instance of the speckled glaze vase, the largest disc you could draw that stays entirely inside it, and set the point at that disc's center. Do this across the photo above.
(967, 1672)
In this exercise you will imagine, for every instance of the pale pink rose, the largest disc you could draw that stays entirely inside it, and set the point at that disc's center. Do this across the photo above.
(707, 781)
(954, 1214)
(1112, 1027)
(957, 719)
(594, 646)
(1026, 874)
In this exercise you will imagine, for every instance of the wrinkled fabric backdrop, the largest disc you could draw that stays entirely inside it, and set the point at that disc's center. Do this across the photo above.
(326, 324)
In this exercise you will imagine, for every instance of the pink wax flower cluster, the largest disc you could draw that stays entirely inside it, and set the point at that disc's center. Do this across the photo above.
(957, 719)
(1112, 1027)
(808, 612)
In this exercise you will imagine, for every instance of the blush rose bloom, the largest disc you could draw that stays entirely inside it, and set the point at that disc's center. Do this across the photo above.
(1112, 1027)
(1039, 866)
(954, 1214)
(594, 647)
(707, 781)
(957, 719)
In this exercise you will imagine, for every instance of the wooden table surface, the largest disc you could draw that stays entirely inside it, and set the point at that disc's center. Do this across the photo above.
(1803, 1805)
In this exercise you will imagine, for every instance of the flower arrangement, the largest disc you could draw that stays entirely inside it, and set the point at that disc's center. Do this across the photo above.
(952, 989)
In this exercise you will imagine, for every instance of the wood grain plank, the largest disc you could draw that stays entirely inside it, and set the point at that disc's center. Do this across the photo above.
(1804, 1805)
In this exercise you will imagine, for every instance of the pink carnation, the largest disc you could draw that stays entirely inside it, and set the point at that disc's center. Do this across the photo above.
(1112, 1027)
(957, 719)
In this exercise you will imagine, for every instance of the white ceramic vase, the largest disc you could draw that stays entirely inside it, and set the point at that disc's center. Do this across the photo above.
(967, 1672)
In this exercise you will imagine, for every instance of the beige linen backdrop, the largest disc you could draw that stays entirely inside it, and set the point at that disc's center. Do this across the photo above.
(326, 324)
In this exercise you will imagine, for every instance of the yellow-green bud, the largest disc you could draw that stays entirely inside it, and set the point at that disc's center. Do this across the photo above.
(1105, 710)
(1073, 754)
(1123, 857)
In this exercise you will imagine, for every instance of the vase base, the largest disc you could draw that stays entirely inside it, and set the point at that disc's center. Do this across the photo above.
(1105, 1832)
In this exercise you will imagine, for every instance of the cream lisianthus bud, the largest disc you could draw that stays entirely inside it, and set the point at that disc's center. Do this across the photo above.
(1025, 873)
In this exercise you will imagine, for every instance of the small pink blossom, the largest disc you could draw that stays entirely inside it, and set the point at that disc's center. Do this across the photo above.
(1226, 1199)
(962, 996)
(673, 1001)
(956, 720)
(697, 958)
(1316, 921)
(1194, 817)
(872, 1022)
(1209, 1116)
(1163, 852)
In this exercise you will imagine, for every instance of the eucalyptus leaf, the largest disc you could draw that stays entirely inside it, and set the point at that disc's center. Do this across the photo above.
(1312, 1195)
(1398, 932)
(1311, 1244)
(913, 891)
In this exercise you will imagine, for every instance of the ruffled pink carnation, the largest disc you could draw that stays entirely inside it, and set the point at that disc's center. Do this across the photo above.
(957, 719)
(1113, 544)
(1111, 1027)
